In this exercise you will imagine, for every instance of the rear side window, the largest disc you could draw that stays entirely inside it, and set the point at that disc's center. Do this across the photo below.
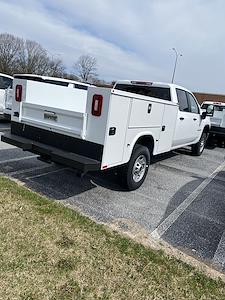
(182, 100)
(193, 105)
(5, 82)
(150, 91)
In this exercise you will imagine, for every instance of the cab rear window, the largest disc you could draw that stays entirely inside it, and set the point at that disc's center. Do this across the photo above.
(150, 91)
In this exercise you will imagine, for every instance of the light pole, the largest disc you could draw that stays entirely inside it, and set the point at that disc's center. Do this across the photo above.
(175, 65)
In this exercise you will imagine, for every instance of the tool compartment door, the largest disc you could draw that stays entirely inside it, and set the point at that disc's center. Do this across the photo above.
(146, 114)
(115, 138)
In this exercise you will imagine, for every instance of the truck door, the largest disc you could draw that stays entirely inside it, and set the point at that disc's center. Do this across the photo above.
(196, 118)
(185, 130)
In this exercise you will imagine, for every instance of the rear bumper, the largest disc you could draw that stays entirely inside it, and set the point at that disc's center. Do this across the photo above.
(79, 162)
(217, 131)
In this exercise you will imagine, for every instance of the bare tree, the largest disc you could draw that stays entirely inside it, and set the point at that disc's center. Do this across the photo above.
(10, 47)
(56, 68)
(32, 59)
(25, 56)
(86, 67)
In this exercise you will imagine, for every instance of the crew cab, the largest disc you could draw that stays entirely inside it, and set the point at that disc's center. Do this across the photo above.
(5, 85)
(217, 118)
(121, 128)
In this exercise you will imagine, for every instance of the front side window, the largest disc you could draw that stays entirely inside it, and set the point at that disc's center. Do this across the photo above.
(5, 82)
(193, 105)
(182, 100)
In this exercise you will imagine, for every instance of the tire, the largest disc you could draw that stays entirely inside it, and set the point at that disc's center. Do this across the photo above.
(199, 147)
(140, 159)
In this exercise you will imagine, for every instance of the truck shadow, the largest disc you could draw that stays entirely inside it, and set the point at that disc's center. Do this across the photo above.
(65, 184)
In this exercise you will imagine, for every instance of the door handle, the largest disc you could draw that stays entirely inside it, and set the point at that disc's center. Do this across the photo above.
(181, 118)
(195, 119)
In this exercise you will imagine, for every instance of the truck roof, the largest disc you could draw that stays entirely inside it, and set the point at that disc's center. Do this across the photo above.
(149, 83)
(5, 75)
(214, 103)
(50, 78)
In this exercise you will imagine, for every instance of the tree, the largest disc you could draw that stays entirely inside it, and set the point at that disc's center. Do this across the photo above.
(86, 67)
(25, 56)
(10, 47)
(56, 68)
(34, 59)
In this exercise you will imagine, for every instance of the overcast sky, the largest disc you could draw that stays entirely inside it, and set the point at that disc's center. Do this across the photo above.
(131, 39)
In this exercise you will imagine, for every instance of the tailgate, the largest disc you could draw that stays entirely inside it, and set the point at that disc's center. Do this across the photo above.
(51, 106)
(54, 119)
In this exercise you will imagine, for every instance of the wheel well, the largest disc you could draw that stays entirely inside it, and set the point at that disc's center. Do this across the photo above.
(147, 141)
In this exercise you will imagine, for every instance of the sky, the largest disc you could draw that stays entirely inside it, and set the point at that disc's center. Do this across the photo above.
(131, 39)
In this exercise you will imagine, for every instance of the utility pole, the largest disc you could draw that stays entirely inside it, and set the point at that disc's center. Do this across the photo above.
(175, 65)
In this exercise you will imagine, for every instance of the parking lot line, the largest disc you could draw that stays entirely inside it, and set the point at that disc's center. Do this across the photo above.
(169, 221)
(219, 258)
(17, 159)
(46, 173)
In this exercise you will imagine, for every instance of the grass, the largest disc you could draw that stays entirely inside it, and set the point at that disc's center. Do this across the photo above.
(48, 251)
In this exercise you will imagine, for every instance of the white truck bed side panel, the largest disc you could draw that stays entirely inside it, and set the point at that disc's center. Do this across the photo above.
(166, 135)
(118, 119)
(133, 134)
(96, 126)
(56, 96)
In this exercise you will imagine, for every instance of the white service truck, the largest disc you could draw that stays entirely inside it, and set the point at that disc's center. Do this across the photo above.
(217, 118)
(5, 85)
(120, 127)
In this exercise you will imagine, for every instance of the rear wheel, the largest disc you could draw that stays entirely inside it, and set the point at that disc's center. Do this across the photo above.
(198, 148)
(134, 172)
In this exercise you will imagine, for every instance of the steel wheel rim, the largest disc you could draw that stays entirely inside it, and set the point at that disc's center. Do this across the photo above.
(139, 168)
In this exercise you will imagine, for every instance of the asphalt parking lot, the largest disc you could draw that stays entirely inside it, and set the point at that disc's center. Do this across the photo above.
(182, 200)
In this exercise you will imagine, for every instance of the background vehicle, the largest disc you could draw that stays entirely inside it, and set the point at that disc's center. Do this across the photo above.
(7, 110)
(5, 83)
(100, 128)
(217, 118)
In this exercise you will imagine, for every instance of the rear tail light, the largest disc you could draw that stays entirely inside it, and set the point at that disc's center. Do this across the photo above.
(97, 105)
(18, 94)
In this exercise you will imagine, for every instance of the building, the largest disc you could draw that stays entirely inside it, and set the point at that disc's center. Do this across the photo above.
(201, 97)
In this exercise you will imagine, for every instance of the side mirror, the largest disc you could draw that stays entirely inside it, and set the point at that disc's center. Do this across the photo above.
(204, 115)
(210, 110)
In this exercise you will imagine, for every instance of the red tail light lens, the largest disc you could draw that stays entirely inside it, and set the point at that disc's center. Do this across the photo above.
(18, 93)
(97, 105)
